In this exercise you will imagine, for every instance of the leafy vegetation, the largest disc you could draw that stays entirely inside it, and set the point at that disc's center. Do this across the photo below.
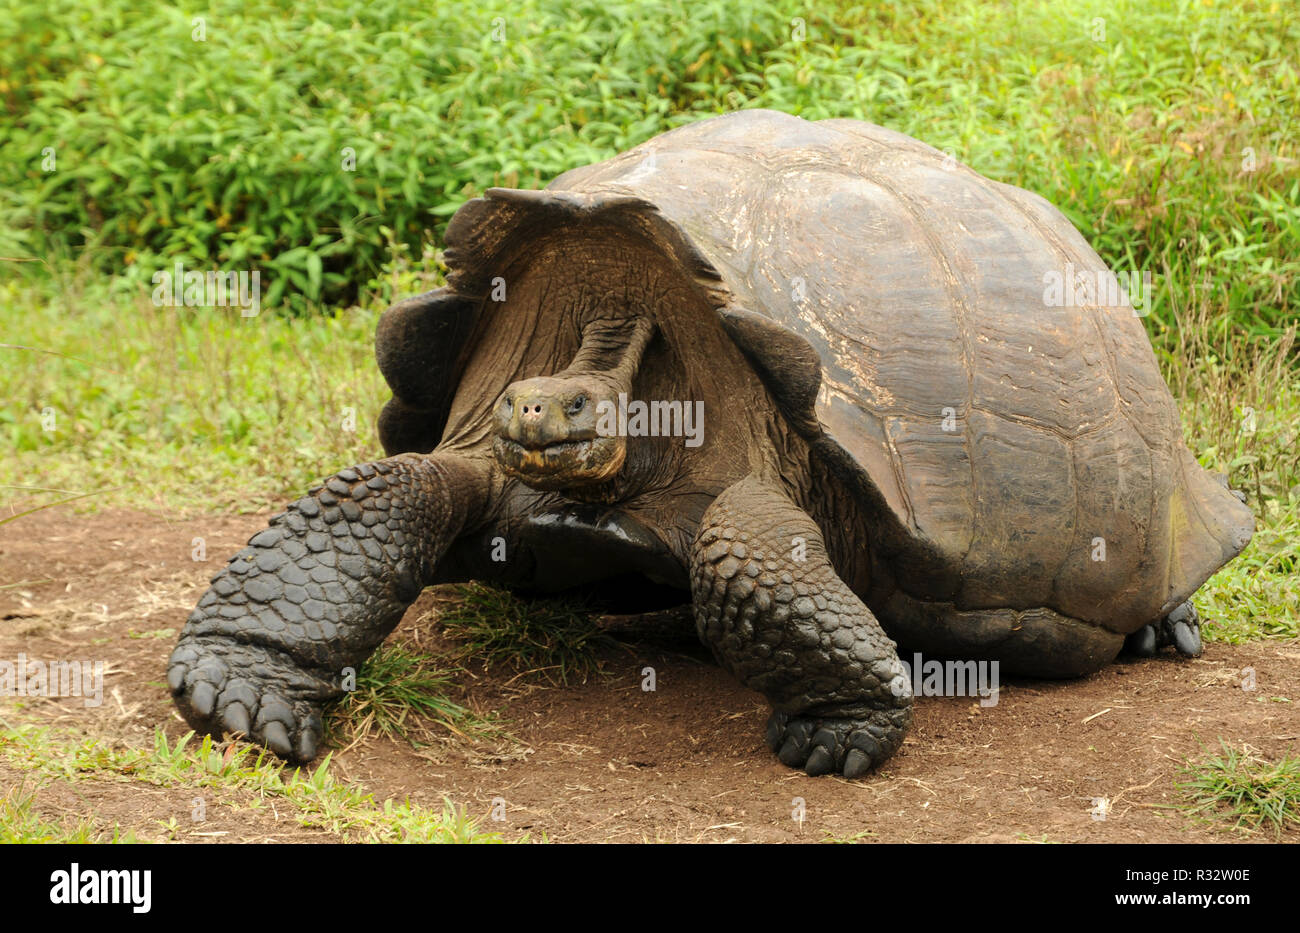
(1240, 400)
(1163, 128)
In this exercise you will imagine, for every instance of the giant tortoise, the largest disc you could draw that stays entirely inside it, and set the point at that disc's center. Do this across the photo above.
(803, 370)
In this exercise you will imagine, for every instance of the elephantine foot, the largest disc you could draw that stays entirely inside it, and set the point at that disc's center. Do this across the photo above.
(252, 691)
(835, 745)
(1181, 628)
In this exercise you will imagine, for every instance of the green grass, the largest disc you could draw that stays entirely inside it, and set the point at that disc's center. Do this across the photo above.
(175, 408)
(1239, 786)
(1239, 395)
(245, 777)
(20, 822)
(403, 693)
(554, 639)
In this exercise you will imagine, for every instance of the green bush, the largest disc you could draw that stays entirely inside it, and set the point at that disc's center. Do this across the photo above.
(1134, 118)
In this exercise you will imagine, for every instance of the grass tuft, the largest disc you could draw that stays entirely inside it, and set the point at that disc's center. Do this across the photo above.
(1237, 783)
(402, 693)
(21, 823)
(553, 638)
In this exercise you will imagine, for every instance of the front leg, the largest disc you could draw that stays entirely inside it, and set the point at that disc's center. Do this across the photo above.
(770, 605)
(317, 592)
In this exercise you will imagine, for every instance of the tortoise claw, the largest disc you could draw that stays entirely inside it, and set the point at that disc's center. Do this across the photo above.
(202, 698)
(277, 738)
(245, 690)
(856, 763)
(1187, 640)
(819, 762)
(776, 730)
(176, 678)
(236, 718)
(838, 745)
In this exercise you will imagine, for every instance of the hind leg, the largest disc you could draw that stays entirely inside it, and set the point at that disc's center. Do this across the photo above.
(1181, 628)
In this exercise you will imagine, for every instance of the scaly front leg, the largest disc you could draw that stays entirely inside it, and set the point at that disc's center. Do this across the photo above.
(315, 593)
(770, 605)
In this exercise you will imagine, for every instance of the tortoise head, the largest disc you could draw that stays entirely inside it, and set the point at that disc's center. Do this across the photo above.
(552, 432)
(545, 432)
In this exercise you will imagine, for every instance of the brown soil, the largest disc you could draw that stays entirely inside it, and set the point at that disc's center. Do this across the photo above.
(605, 761)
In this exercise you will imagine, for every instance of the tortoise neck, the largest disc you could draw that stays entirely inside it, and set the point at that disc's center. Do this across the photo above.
(612, 349)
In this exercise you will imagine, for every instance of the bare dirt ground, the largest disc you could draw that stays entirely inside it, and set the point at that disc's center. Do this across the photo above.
(605, 761)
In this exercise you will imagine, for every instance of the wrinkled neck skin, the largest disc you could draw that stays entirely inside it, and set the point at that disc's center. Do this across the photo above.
(612, 350)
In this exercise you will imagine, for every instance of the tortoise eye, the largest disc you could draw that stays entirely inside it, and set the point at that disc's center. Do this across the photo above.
(509, 403)
(577, 404)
